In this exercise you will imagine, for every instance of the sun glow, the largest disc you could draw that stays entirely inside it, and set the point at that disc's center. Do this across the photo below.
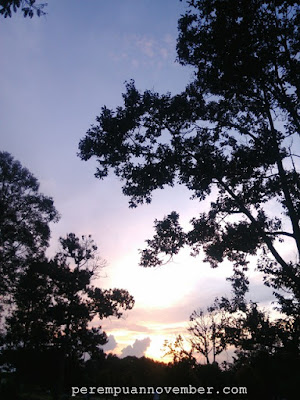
(160, 287)
(156, 351)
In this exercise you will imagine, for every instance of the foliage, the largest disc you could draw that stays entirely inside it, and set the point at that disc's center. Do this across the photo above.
(25, 215)
(252, 331)
(232, 137)
(55, 304)
(54, 319)
(178, 351)
(28, 7)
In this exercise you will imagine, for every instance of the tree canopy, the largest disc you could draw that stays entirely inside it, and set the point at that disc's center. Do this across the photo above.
(55, 301)
(25, 214)
(231, 136)
(57, 307)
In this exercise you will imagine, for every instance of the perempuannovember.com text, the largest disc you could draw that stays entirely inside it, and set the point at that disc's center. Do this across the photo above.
(120, 390)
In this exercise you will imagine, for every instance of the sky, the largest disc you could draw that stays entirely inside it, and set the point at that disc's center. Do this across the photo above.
(56, 72)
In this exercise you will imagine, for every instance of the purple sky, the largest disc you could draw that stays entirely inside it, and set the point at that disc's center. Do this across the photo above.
(56, 72)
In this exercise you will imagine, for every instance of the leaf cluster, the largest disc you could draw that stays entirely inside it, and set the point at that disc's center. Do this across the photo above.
(25, 214)
(28, 7)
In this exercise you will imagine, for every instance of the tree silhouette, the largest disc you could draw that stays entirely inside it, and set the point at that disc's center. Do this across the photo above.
(55, 302)
(28, 7)
(25, 215)
(232, 137)
(252, 331)
(207, 330)
(208, 336)
(178, 351)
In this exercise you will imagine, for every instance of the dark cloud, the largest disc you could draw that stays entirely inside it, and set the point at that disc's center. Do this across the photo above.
(111, 344)
(137, 349)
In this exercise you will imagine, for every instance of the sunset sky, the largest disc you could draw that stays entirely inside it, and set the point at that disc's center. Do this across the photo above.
(56, 72)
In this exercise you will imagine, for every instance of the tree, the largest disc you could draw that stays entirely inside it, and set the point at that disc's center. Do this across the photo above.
(178, 351)
(208, 334)
(55, 302)
(232, 136)
(28, 7)
(251, 330)
(31, 324)
(25, 214)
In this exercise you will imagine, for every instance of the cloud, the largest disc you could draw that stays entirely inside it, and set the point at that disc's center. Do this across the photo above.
(141, 50)
(137, 328)
(111, 344)
(147, 46)
(138, 348)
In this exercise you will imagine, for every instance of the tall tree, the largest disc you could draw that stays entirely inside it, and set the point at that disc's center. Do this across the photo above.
(231, 136)
(55, 303)
(25, 214)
